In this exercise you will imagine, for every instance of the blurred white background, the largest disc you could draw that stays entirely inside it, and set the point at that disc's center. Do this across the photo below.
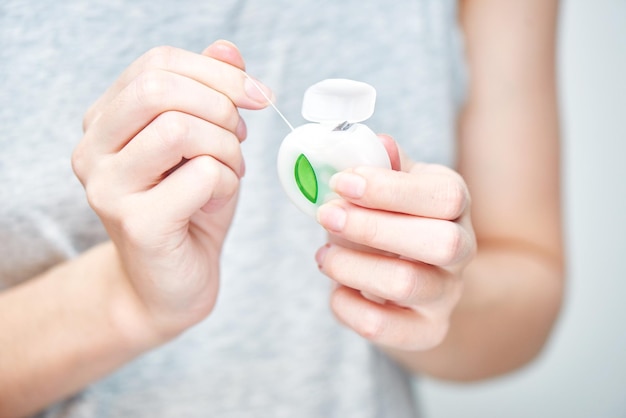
(582, 373)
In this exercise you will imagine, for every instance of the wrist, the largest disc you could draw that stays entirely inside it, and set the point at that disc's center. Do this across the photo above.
(125, 312)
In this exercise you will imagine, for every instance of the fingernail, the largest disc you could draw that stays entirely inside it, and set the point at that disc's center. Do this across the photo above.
(320, 255)
(257, 91)
(224, 44)
(348, 185)
(332, 217)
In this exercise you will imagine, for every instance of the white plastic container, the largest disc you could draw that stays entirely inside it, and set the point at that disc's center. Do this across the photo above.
(312, 153)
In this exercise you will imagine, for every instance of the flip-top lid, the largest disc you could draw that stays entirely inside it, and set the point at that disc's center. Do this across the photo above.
(338, 100)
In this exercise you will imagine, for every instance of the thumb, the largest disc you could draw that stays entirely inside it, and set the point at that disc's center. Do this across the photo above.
(392, 150)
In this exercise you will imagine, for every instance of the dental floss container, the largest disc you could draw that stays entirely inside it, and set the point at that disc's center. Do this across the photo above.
(334, 141)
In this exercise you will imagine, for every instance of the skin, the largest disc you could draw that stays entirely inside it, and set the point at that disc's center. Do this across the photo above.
(131, 294)
(457, 295)
(456, 274)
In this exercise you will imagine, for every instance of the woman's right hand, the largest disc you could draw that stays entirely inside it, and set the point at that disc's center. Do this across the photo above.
(161, 162)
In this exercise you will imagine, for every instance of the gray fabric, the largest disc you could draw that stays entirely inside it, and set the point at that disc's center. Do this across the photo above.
(271, 348)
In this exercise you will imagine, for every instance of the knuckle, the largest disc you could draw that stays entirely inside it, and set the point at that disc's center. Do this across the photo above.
(172, 129)
(78, 162)
(436, 333)
(452, 244)
(207, 168)
(367, 231)
(426, 335)
(230, 185)
(97, 197)
(233, 157)
(369, 323)
(225, 112)
(103, 199)
(210, 171)
(372, 325)
(453, 290)
(152, 88)
(403, 283)
(454, 197)
(162, 56)
(93, 196)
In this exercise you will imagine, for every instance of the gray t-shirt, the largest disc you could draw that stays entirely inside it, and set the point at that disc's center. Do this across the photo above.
(271, 348)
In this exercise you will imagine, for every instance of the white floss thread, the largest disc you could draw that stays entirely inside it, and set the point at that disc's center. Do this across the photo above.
(268, 100)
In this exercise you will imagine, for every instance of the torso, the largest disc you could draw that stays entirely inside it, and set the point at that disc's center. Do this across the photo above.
(271, 347)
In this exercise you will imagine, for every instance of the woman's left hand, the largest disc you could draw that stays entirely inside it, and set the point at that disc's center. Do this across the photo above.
(399, 241)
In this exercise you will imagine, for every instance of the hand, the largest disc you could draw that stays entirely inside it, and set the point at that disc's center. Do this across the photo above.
(161, 162)
(398, 245)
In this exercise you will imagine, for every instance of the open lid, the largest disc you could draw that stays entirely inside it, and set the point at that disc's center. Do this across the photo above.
(338, 100)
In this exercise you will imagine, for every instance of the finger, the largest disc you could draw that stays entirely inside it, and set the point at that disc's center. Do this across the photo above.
(192, 186)
(172, 138)
(148, 96)
(392, 150)
(440, 194)
(432, 241)
(221, 76)
(227, 52)
(387, 324)
(402, 281)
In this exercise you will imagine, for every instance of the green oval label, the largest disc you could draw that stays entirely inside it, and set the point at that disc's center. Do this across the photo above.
(306, 179)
